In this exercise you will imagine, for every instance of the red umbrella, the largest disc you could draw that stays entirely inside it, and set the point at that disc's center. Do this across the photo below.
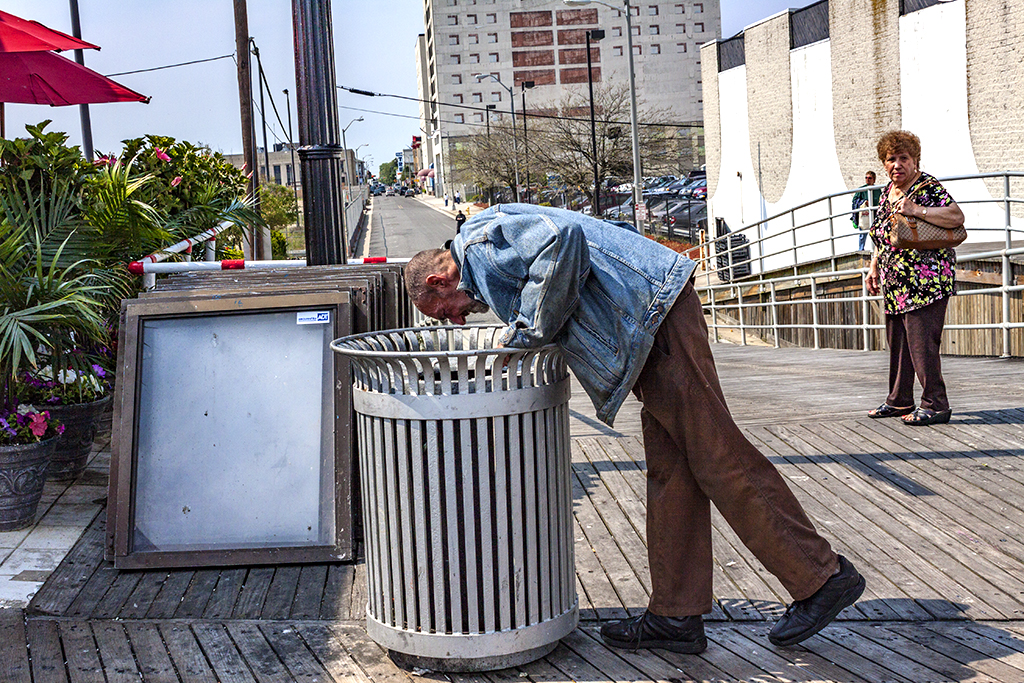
(21, 35)
(48, 78)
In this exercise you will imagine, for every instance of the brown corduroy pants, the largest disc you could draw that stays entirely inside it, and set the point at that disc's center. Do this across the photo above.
(914, 340)
(696, 455)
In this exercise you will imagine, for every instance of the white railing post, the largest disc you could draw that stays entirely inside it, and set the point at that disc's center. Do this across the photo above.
(714, 313)
(832, 233)
(775, 316)
(865, 310)
(1007, 268)
(739, 308)
(211, 250)
(792, 233)
(814, 311)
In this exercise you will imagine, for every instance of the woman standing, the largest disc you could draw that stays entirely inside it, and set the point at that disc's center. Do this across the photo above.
(916, 283)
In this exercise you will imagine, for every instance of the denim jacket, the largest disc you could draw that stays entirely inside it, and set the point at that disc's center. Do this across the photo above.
(597, 290)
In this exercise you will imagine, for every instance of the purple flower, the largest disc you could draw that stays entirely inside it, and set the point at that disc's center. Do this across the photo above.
(100, 372)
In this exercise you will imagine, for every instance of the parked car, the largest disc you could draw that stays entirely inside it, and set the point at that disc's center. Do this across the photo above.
(410, 192)
(683, 219)
(390, 192)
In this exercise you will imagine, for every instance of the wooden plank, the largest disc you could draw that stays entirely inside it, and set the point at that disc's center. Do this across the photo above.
(662, 665)
(859, 652)
(92, 592)
(578, 668)
(115, 652)
(14, 663)
(800, 663)
(250, 601)
(991, 640)
(888, 637)
(310, 591)
(64, 583)
(935, 646)
(141, 598)
(265, 665)
(225, 593)
(289, 646)
(111, 604)
(338, 591)
(198, 594)
(171, 592)
(151, 655)
(369, 656)
(47, 655)
(331, 655)
(223, 655)
(281, 593)
(188, 657)
(360, 592)
(593, 656)
(83, 662)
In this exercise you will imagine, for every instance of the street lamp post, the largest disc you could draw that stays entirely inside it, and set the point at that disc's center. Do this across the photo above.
(595, 35)
(526, 149)
(345, 165)
(515, 143)
(490, 184)
(638, 189)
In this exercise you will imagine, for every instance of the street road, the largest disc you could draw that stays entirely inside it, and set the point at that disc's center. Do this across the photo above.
(402, 226)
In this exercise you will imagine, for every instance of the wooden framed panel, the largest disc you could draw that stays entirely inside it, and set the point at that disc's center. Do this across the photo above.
(228, 412)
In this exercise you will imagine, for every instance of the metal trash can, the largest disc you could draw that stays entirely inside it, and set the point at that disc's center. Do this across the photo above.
(466, 495)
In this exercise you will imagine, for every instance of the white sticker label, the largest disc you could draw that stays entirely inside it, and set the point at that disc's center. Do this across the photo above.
(312, 317)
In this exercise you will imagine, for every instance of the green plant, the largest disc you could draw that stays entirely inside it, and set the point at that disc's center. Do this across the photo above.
(25, 426)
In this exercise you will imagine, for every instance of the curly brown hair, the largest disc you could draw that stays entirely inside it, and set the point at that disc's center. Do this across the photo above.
(896, 141)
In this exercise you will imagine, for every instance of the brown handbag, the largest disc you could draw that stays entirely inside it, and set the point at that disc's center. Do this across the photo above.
(907, 232)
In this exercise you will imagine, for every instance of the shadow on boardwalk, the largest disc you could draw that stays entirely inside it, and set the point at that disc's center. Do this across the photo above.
(933, 517)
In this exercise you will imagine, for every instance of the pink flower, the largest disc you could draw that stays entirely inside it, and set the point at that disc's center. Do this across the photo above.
(38, 424)
(161, 155)
(105, 160)
(176, 181)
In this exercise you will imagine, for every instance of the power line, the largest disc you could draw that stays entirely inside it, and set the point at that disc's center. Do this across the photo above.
(172, 66)
(367, 93)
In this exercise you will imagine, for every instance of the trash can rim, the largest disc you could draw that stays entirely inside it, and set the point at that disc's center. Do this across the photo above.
(336, 345)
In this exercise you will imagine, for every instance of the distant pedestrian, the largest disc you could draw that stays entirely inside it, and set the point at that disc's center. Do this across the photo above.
(458, 199)
(460, 218)
(862, 209)
(446, 200)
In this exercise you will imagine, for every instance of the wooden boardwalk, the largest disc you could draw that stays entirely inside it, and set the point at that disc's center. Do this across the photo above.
(933, 517)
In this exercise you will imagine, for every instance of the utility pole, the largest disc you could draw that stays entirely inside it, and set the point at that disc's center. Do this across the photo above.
(291, 147)
(83, 109)
(249, 240)
(264, 250)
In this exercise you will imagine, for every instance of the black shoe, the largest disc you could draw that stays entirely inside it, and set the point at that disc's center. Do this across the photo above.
(886, 410)
(804, 618)
(926, 416)
(684, 634)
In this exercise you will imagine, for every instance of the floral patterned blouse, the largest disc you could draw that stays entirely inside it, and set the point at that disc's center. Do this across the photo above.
(913, 278)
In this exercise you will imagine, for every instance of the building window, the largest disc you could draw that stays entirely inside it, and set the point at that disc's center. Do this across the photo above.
(655, 49)
(477, 98)
(495, 97)
(636, 11)
(636, 30)
(617, 51)
(492, 19)
(456, 79)
(637, 51)
(679, 9)
(492, 37)
(681, 48)
(453, 20)
(457, 99)
(680, 28)
(479, 118)
(453, 40)
(698, 27)
(698, 8)
(470, 2)
(654, 30)
(474, 59)
(616, 32)
(454, 59)
(471, 19)
(472, 39)
(277, 173)
(453, 3)
(459, 118)
(652, 10)
(493, 57)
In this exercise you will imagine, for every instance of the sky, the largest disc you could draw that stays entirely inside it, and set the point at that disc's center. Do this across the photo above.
(374, 50)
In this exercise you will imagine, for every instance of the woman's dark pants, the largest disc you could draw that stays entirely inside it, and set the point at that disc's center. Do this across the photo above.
(914, 339)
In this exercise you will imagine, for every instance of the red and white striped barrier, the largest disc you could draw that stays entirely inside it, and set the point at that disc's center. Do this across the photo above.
(150, 269)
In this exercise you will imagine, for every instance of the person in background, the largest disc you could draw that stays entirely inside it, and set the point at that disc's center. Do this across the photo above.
(861, 216)
(446, 200)
(624, 311)
(460, 218)
(915, 283)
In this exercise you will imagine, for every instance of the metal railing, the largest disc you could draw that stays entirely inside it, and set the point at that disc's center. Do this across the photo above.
(772, 253)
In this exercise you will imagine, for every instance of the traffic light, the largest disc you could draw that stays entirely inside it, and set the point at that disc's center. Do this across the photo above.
(416, 141)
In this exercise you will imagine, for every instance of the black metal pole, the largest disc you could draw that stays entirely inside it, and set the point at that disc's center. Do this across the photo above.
(291, 147)
(526, 148)
(320, 154)
(83, 109)
(596, 209)
(262, 243)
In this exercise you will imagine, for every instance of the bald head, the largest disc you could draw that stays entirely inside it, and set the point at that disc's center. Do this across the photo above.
(432, 281)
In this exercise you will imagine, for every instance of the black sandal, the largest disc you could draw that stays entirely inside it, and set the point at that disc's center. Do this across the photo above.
(886, 410)
(926, 416)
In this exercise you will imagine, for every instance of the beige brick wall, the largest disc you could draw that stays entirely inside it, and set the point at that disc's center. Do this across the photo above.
(712, 114)
(995, 79)
(770, 103)
(864, 35)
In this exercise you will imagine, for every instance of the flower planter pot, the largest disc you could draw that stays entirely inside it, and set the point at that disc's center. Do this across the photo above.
(80, 421)
(22, 475)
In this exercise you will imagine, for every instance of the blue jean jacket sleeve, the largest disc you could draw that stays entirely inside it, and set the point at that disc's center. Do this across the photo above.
(554, 260)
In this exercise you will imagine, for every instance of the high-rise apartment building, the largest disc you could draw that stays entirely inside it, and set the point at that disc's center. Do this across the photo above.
(466, 42)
